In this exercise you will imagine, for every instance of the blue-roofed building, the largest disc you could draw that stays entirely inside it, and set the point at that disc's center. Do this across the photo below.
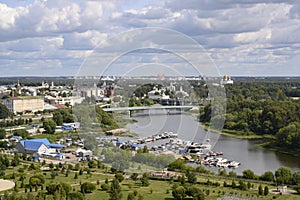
(135, 146)
(36, 146)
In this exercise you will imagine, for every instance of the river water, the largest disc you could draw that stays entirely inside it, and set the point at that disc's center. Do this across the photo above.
(250, 155)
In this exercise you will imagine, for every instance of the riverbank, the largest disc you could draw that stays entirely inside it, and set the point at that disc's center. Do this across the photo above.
(272, 146)
(236, 134)
(267, 141)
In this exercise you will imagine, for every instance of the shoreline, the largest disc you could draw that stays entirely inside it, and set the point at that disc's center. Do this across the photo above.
(265, 144)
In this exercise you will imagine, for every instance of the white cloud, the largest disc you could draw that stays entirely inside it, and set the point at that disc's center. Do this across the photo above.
(84, 40)
(235, 32)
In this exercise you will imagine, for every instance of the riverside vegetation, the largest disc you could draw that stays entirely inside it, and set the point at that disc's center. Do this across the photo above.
(266, 109)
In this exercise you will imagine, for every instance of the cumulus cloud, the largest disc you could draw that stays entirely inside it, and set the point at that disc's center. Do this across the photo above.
(245, 34)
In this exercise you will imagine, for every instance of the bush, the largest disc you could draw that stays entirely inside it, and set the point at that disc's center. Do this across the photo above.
(75, 196)
(87, 187)
(105, 186)
(21, 170)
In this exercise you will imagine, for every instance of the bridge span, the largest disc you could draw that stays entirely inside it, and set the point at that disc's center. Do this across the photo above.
(147, 108)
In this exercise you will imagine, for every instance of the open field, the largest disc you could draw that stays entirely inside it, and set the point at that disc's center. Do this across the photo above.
(157, 189)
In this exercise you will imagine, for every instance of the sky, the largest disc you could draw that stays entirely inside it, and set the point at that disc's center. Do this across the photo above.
(60, 38)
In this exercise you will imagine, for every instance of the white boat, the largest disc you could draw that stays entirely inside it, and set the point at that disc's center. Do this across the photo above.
(233, 164)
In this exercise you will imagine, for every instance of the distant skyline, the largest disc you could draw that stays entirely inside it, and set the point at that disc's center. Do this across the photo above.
(243, 38)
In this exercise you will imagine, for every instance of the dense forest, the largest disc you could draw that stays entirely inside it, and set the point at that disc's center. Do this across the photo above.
(263, 108)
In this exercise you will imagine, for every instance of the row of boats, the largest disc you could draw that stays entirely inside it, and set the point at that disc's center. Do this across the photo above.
(217, 162)
(169, 143)
(201, 152)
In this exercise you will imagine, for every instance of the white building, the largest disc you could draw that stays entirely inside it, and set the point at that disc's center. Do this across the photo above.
(226, 80)
(24, 103)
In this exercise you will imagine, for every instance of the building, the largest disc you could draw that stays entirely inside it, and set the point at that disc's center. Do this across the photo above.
(64, 100)
(24, 103)
(226, 80)
(83, 153)
(37, 146)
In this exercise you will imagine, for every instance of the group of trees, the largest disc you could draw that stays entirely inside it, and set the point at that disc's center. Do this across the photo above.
(4, 112)
(150, 159)
(15, 122)
(63, 116)
(261, 108)
(121, 159)
(59, 117)
(283, 175)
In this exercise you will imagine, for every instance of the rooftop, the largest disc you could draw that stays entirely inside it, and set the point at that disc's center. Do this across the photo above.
(35, 144)
(24, 97)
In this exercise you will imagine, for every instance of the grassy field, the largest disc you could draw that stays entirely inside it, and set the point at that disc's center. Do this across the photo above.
(157, 189)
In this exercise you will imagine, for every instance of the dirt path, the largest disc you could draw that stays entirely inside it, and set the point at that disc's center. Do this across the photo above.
(6, 184)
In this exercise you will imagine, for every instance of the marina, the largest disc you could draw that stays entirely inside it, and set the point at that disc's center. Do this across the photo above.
(168, 143)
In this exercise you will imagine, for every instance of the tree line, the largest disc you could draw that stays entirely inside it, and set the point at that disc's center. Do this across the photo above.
(261, 109)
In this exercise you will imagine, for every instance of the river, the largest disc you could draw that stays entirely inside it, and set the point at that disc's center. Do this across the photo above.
(250, 155)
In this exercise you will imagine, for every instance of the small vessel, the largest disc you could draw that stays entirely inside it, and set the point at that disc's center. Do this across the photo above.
(233, 164)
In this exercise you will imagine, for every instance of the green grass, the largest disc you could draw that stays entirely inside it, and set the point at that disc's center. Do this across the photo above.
(161, 189)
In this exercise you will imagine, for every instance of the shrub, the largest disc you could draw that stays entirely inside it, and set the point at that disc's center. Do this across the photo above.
(105, 186)
(87, 187)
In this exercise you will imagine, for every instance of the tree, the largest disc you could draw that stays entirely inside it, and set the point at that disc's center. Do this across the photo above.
(115, 190)
(179, 193)
(195, 192)
(233, 184)
(130, 196)
(21, 132)
(260, 190)
(87, 187)
(58, 118)
(120, 177)
(51, 189)
(248, 174)
(232, 174)
(267, 176)
(242, 185)
(75, 196)
(191, 177)
(105, 186)
(145, 179)
(145, 149)
(134, 176)
(36, 180)
(266, 190)
(283, 175)
(15, 161)
(296, 178)
(289, 136)
(49, 126)
(4, 112)
(2, 133)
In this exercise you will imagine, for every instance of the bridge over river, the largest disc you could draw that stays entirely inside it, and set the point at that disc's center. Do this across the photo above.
(130, 109)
